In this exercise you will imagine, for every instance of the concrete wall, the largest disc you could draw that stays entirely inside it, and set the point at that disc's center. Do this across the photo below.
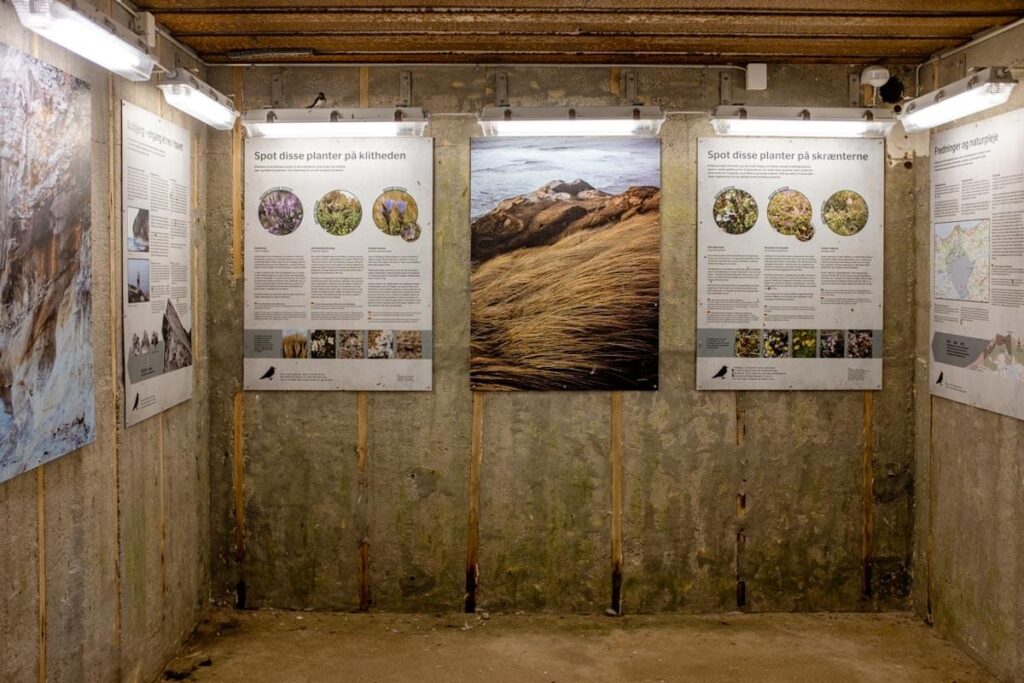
(104, 553)
(296, 521)
(969, 529)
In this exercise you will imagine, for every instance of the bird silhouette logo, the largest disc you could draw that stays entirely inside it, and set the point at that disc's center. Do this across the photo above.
(721, 373)
(136, 405)
(939, 380)
(269, 374)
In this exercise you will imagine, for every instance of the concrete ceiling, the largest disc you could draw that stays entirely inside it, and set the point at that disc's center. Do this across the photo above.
(576, 31)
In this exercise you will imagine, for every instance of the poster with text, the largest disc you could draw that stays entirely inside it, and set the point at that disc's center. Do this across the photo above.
(156, 230)
(565, 250)
(339, 264)
(789, 272)
(977, 258)
(47, 398)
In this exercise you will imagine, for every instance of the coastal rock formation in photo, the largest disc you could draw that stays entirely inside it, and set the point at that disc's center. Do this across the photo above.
(177, 341)
(552, 212)
(564, 290)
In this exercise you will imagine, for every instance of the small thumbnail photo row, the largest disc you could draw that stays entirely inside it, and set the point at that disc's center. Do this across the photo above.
(774, 343)
(352, 344)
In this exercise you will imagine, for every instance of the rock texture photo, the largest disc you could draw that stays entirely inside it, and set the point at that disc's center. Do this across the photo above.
(47, 404)
(565, 274)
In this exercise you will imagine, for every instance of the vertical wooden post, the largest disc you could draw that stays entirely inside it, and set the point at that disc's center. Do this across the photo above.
(364, 86)
(162, 474)
(932, 502)
(363, 522)
(476, 449)
(41, 578)
(617, 494)
(868, 491)
(115, 274)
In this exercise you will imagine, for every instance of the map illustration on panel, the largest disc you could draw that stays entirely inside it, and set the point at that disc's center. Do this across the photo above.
(962, 261)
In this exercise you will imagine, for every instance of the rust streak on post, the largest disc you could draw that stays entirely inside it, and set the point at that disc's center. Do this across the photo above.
(237, 169)
(362, 448)
(364, 86)
(617, 495)
(41, 578)
(868, 474)
(476, 451)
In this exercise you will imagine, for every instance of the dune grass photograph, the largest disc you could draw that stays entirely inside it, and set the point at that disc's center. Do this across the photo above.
(565, 244)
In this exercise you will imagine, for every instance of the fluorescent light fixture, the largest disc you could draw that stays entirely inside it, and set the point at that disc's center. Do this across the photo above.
(983, 90)
(570, 121)
(802, 122)
(90, 34)
(335, 123)
(184, 91)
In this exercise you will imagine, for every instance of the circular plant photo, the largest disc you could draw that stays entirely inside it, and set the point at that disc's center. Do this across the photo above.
(789, 212)
(411, 232)
(845, 213)
(735, 211)
(280, 212)
(393, 210)
(338, 212)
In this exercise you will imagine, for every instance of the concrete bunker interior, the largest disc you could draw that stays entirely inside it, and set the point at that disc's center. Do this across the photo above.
(340, 520)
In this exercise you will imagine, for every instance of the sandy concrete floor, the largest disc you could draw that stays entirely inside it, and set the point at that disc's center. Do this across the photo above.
(306, 646)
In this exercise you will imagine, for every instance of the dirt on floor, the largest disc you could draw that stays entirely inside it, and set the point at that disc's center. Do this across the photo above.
(284, 647)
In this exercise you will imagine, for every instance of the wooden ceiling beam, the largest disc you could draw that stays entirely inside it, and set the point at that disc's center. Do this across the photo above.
(184, 24)
(826, 7)
(718, 45)
(555, 59)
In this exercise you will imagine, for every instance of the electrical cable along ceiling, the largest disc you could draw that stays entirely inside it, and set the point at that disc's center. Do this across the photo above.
(576, 31)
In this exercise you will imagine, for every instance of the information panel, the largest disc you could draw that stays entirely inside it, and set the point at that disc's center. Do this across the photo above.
(977, 257)
(156, 229)
(790, 248)
(338, 263)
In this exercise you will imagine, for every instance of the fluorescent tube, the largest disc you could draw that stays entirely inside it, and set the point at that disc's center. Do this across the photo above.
(988, 88)
(184, 91)
(797, 122)
(570, 121)
(90, 34)
(337, 123)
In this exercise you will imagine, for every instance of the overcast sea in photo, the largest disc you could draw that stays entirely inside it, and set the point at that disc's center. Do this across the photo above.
(504, 167)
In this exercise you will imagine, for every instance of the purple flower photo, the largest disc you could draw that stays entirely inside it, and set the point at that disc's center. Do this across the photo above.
(280, 212)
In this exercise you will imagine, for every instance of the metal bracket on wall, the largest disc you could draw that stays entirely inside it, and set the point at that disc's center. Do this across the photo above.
(628, 86)
(501, 88)
(854, 90)
(277, 90)
(405, 89)
(725, 88)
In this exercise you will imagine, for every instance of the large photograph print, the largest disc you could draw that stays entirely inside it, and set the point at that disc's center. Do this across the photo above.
(564, 288)
(47, 405)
